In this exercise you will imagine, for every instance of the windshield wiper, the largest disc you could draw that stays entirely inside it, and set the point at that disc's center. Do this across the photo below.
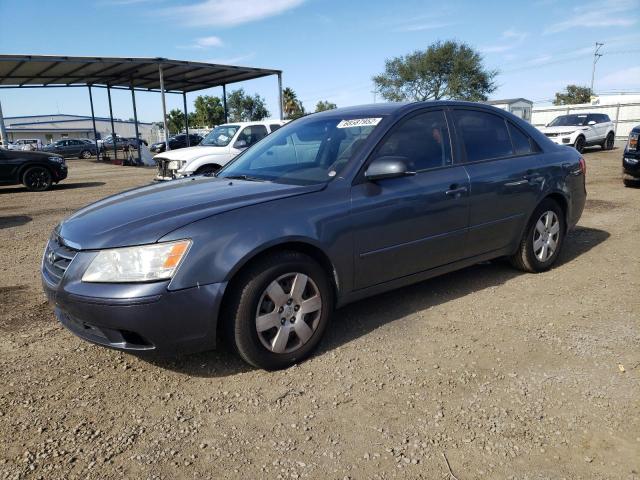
(245, 177)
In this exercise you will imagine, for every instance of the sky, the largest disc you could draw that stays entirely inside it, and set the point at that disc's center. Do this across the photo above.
(327, 49)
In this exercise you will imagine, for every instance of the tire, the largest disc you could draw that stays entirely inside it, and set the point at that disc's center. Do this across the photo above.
(579, 144)
(631, 183)
(208, 170)
(286, 334)
(531, 258)
(85, 154)
(37, 179)
(608, 142)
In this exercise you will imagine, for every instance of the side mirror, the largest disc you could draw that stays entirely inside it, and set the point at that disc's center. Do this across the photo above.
(592, 122)
(387, 167)
(240, 144)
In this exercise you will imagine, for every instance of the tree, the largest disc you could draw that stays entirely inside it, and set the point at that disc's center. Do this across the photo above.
(445, 70)
(246, 108)
(175, 121)
(573, 94)
(323, 105)
(209, 111)
(291, 106)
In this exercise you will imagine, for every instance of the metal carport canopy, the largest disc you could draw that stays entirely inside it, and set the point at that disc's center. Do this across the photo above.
(130, 73)
(140, 73)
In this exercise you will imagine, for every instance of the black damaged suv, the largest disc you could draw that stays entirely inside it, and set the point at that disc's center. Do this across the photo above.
(35, 170)
(631, 159)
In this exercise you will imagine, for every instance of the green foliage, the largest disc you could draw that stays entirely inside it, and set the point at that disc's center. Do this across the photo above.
(573, 94)
(292, 107)
(209, 112)
(446, 70)
(175, 121)
(324, 105)
(246, 108)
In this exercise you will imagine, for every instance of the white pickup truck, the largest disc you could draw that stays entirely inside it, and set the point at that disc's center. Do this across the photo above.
(581, 130)
(221, 145)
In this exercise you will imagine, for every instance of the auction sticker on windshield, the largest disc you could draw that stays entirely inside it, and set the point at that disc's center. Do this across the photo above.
(359, 122)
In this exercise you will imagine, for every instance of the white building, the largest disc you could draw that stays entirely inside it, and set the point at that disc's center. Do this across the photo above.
(520, 107)
(49, 128)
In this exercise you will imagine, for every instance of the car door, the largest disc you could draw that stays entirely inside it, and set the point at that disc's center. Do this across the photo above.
(595, 133)
(505, 173)
(74, 147)
(62, 148)
(413, 223)
(10, 162)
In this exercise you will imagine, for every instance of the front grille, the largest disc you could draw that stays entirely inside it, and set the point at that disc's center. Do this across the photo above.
(57, 258)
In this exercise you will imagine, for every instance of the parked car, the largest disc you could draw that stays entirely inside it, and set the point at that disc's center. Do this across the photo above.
(631, 159)
(582, 130)
(215, 150)
(122, 143)
(26, 144)
(331, 208)
(35, 170)
(176, 142)
(71, 147)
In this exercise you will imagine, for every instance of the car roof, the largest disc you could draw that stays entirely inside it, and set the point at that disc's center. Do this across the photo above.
(248, 124)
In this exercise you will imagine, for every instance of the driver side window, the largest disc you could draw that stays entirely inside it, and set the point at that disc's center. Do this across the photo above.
(422, 142)
(252, 134)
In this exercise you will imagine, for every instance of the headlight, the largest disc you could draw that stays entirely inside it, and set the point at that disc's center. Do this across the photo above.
(145, 263)
(57, 159)
(173, 165)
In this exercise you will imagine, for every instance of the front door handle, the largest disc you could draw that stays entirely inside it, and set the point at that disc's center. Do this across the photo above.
(456, 191)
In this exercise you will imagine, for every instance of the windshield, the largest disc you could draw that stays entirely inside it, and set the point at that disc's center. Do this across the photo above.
(569, 121)
(220, 136)
(305, 152)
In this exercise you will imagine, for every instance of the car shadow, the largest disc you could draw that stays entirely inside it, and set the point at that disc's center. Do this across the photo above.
(14, 221)
(363, 317)
(60, 186)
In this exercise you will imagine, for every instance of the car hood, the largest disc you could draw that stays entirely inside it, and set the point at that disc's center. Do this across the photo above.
(570, 128)
(192, 153)
(145, 214)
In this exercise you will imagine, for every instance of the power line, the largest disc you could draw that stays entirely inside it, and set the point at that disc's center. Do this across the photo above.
(596, 57)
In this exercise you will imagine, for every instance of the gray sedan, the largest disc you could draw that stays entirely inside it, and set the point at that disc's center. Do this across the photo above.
(71, 147)
(331, 208)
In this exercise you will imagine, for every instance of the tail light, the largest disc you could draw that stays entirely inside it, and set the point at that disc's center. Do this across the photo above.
(583, 166)
(632, 144)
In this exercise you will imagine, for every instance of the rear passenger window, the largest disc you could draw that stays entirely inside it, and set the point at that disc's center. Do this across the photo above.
(521, 141)
(423, 141)
(274, 127)
(484, 135)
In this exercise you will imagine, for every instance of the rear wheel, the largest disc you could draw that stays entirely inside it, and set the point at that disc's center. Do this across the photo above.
(608, 143)
(37, 179)
(207, 170)
(580, 144)
(542, 240)
(279, 310)
(85, 154)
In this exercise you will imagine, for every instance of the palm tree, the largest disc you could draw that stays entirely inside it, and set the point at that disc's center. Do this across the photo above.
(291, 105)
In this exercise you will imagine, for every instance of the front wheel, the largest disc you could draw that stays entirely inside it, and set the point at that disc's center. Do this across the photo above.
(85, 154)
(279, 310)
(37, 179)
(579, 144)
(542, 240)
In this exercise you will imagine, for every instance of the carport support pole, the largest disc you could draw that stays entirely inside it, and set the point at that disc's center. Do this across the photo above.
(135, 120)
(280, 96)
(4, 140)
(93, 120)
(224, 103)
(186, 117)
(164, 110)
(113, 128)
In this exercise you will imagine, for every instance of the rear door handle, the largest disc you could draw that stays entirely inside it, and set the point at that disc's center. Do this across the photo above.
(456, 191)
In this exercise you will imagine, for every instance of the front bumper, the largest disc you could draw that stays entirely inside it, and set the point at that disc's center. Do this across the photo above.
(60, 173)
(631, 165)
(561, 139)
(135, 317)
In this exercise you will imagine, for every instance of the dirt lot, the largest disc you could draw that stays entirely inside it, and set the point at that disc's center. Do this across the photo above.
(509, 375)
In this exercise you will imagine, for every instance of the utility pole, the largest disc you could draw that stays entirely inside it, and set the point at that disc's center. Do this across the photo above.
(596, 57)
(374, 91)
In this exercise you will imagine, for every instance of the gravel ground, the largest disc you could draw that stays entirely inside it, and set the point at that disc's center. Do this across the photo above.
(509, 375)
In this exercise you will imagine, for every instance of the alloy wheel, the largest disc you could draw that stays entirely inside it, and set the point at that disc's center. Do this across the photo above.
(37, 179)
(288, 313)
(546, 236)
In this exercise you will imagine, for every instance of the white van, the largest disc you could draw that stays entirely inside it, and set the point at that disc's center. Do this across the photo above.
(221, 145)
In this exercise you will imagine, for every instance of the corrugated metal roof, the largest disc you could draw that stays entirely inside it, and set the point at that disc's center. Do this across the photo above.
(141, 73)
